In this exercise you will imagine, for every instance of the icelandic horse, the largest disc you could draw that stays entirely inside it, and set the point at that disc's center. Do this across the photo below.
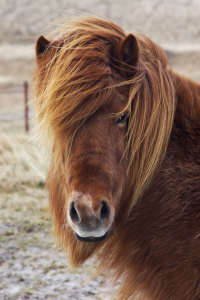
(124, 178)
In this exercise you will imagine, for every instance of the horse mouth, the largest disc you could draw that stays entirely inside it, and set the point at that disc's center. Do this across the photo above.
(92, 238)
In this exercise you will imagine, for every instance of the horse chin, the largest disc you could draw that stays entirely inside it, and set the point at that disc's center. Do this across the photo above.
(91, 238)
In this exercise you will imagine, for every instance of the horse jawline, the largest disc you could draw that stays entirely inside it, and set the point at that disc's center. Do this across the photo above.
(91, 238)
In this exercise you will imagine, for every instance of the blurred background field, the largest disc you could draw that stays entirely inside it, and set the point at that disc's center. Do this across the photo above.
(31, 267)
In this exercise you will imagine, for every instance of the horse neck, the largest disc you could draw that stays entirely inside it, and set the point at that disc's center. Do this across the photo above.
(188, 102)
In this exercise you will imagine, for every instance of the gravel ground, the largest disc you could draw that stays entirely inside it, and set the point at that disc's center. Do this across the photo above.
(31, 267)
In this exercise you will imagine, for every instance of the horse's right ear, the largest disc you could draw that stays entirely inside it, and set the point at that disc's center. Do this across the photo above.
(125, 55)
(42, 45)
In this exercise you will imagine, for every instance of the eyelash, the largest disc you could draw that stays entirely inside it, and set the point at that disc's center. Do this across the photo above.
(122, 119)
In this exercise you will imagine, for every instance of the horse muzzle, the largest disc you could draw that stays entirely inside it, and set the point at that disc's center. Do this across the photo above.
(90, 219)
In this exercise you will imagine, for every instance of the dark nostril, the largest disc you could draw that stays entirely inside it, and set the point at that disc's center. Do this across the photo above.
(73, 213)
(104, 211)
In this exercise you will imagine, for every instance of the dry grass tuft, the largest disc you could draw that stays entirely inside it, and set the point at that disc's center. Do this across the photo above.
(21, 162)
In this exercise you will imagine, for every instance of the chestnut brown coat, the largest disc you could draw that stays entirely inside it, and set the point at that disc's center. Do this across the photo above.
(124, 177)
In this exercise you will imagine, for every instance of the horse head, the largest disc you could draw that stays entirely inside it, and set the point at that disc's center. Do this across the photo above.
(100, 104)
(97, 164)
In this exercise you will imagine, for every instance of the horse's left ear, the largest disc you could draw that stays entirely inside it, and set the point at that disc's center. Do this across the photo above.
(41, 45)
(125, 55)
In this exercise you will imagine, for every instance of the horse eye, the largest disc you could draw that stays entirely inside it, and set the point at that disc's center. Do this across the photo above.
(123, 118)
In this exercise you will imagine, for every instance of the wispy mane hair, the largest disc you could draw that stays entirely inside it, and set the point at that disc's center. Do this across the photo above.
(74, 79)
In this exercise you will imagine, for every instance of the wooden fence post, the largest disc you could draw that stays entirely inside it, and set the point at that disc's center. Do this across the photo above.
(26, 106)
